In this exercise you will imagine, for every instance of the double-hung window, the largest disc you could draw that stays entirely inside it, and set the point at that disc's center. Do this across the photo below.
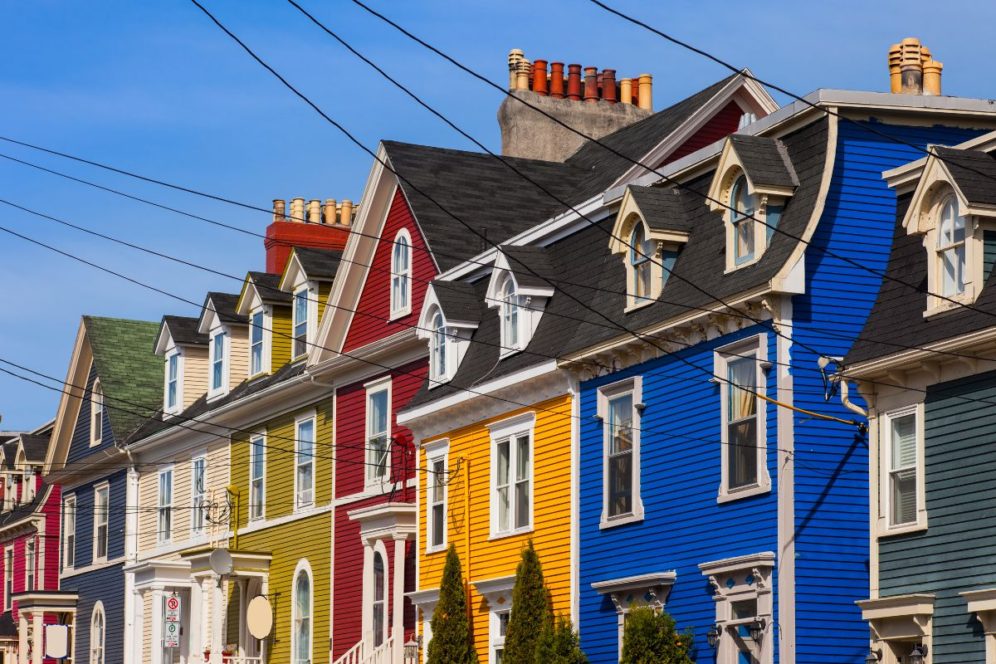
(301, 302)
(101, 497)
(512, 475)
(951, 248)
(742, 209)
(903, 465)
(304, 463)
(511, 317)
(640, 253)
(172, 381)
(619, 409)
(218, 362)
(257, 468)
(401, 265)
(499, 628)
(435, 454)
(8, 577)
(164, 507)
(378, 453)
(739, 370)
(30, 564)
(96, 413)
(437, 349)
(256, 343)
(198, 492)
(69, 532)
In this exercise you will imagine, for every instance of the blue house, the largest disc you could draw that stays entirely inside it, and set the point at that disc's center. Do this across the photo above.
(925, 365)
(113, 385)
(718, 477)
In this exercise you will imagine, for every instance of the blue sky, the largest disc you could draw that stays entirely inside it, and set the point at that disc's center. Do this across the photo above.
(154, 87)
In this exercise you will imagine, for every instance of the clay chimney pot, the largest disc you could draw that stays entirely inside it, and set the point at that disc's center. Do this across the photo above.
(328, 211)
(932, 78)
(514, 57)
(522, 77)
(279, 209)
(626, 91)
(346, 216)
(590, 84)
(557, 80)
(645, 94)
(574, 82)
(314, 211)
(539, 77)
(297, 210)
(609, 85)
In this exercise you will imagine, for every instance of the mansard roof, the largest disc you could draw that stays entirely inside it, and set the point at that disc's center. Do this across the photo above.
(974, 173)
(662, 208)
(765, 161)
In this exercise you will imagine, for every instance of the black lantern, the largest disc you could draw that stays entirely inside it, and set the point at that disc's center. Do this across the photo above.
(874, 657)
(919, 654)
(756, 629)
(712, 636)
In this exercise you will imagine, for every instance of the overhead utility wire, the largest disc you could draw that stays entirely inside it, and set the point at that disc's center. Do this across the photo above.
(483, 236)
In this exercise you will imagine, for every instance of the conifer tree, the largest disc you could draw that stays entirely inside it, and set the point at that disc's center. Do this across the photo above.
(650, 637)
(451, 641)
(531, 613)
(560, 645)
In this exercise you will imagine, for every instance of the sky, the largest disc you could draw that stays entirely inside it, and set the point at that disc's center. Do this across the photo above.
(155, 88)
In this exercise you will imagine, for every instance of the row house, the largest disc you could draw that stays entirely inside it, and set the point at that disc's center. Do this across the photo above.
(925, 366)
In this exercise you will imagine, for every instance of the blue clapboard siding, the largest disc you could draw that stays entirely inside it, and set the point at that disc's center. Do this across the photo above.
(680, 477)
(958, 551)
(107, 586)
(831, 488)
(84, 517)
(80, 445)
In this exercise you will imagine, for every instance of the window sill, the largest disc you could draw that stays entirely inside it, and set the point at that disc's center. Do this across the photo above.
(259, 374)
(510, 533)
(429, 550)
(399, 313)
(638, 304)
(213, 396)
(903, 530)
(621, 520)
(739, 266)
(946, 306)
(726, 496)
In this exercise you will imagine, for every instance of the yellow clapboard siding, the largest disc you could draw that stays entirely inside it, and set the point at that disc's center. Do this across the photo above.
(324, 288)
(280, 346)
(551, 533)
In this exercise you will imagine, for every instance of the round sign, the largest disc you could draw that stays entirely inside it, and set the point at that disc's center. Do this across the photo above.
(221, 562)
(259, 617)
(173, 603)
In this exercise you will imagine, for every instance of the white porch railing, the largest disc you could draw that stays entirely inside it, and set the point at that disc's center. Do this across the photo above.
(352, 656)
(236, 659)
(383, 654)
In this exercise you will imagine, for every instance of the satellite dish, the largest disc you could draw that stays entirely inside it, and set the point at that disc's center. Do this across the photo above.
(259, 617)
(220, 561)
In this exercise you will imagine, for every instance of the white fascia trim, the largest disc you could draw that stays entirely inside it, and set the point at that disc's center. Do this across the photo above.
(899, 176)
(913, 358)
(410, 415)
(762, 559)
(634, 582)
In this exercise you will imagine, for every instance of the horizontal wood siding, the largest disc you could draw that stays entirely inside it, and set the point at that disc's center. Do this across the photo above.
(551, 512)
(195, 373)
(721, 125)
(79, 446)
(680, 475)
(371, 322)
(957, 552)
(238, 356)
(280, 348)
(105, 585)
(831, 459)
(84, 518)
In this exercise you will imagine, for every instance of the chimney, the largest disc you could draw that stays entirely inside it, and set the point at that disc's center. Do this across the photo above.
(307, 226)
(590, 105)
(912, 70)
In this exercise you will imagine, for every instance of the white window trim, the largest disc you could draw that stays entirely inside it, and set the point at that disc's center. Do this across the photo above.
(266, 357)
(396, 311)
(31, 564)
(8, 577)
(194, 531)
(885, 499)
(633, 386)
(214, 392)
(298, 421)
(385, 384)
(495, 639)
(722, 357)
(67, 500)
(436, 378)
(102, 486)
(302, 566)
(161, 537)
(975, 280)
(758, 224)
(96, 433)
(310, 324)
(435, 451)
(178, 406)
(522, 331)
(261, 436)
(759, 566)
(370, 585)
(513, 426)
(98, 609)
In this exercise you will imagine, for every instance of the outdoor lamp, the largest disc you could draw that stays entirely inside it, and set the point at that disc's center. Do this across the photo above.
(874, 656)
(411, 649)
(919, 654)
(712, 636)
(756, 629)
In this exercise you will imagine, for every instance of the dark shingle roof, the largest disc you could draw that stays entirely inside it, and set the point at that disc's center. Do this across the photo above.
(765, 160)
(183, 330)
(458, 300)
(35, 447)
(974, 172)
(532, 266)
(268, 287)
(129, 371)
(662, 208)
(320, 264)
(224, 305)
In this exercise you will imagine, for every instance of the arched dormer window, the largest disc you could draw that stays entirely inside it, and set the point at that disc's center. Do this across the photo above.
(96, 413)
(743, 207)
(950, 259)
(437, 348)
(401, 275)
(511, 303)
(640, 254)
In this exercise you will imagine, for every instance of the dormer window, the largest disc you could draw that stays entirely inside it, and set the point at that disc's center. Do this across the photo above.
(742, 209)
(96, 413)
(437, 348)
(172, 403)
(401, 275)
(256, 347)
(519, 288)
(951, 248)
(511, 303)
(301, 302)
(450, 314)
(219, 373)
(640, 267)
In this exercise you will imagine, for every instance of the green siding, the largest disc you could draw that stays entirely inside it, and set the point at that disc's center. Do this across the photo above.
(958, 551)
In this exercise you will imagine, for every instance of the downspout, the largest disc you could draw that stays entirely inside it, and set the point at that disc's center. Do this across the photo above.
(844, 399)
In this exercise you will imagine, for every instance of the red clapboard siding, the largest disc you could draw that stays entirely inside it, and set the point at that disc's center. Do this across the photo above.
(376, 297)
(721, 125)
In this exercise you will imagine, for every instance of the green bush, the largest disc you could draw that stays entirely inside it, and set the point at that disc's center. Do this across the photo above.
(531, 613)
(650, 637)
(452, 641)
(560, 645)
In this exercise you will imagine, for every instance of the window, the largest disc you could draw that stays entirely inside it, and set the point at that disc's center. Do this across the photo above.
(742, 596)
(101, 497)
(304, 462)
(401, 268)
(172, 382)
(743, 207)
(740, 374)
(8, 578)
(256, 344)
(903, 465)
(499, 628)
(30, 565)
(435, 454)
(511, 305)
(257, 468)
(301, 302)
(69, 532)
(218, 378)
(96, 413)
(437, 349)
(378, 432)
(951, 248)
(619, 408)
(97, 629)
(198, 491)
(511, 478)
(302, 617)
(640, 252)
(164, 508)
(379, 603)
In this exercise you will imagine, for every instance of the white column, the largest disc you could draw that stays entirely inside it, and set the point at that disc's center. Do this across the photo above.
(37, 634)
(22, 639)
(156, 647)
(132, 630)
(138, 622)
(218, 609)
(195, 640)
(398, 598)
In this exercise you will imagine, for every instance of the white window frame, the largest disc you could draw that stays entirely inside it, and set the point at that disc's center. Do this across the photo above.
(439, 343)
(723, 357)
(373, 481)
(640, 259)
(885, 486)
(379, 551)
(8, 577)
(69, 531)
(496, 640)
(164, 507)
(30, 564)
(226, 346)
(941, 248)
(512, 306)
(263, 343)
(758, 568)
(177, 405)
(97, 645)
(510, 429)
(436, 452)
(633, 387)
(96, 411)
(105, 488)
(303, 567)
(311, 311)
(974, 248)
(257, 447)
(198, 501)
(401, 280)
(304, 497)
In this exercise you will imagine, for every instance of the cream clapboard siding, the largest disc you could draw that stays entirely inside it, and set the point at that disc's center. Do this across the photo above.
(195, 373)
(146, 627)
(238, 356)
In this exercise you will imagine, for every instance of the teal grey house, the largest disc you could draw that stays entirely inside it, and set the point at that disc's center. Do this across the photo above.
(925, 364)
